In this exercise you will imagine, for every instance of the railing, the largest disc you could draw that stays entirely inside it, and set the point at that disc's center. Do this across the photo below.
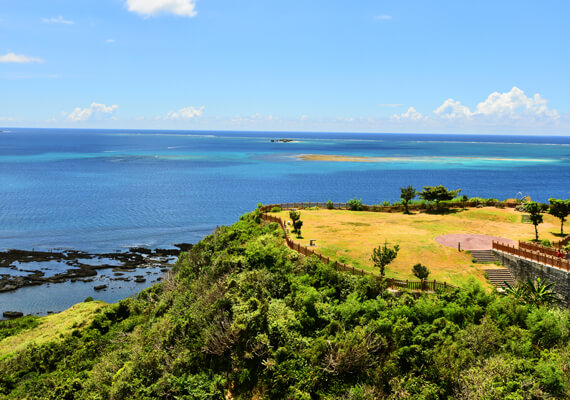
(562, 243)
(422, 285)
(525, 251)
(381, 208)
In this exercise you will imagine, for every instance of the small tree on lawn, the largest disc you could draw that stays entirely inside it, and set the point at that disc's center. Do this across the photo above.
(297, 223)
(560, 209)
(464, 199)
(406, 194)
(535, 210)
(420, 271)
(437, 194)
(384, 255)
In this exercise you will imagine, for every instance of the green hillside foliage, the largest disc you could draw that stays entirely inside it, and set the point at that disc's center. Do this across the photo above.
(244, 317)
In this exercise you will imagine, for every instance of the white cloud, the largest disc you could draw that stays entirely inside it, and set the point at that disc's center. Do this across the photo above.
(57, 20)
(110, 41)
(94, 110)
(383, 17)
(411, 115)
(6, 119)
(19, 59)
(499, 108)
(515, 104)
(452, 109)
(184, 8)
(185, 113)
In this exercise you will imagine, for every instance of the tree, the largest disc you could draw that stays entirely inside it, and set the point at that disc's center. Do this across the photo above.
(437, 194)
(355, 204)
(420, 271)
(297, 223)
(535, 210)
(384, 255)
(464, 199)
(560, 209)
(406, 194)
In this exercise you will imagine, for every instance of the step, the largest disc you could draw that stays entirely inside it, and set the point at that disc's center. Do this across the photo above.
(499, 276)
(483, 256)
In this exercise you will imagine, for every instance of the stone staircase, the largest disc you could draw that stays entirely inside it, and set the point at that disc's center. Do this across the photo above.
(499, 276)
(481, 256)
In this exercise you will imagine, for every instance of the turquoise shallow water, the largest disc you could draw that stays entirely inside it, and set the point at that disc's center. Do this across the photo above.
(107, 190)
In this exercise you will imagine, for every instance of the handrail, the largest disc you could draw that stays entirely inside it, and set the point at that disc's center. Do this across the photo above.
(422, 285)
(525, 250)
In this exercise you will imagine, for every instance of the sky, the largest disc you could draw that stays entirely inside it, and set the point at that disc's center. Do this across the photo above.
(489, 67)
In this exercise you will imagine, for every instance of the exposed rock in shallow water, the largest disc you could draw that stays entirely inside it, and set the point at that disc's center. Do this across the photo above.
(100, 287)
(12, 314)
(131, 260)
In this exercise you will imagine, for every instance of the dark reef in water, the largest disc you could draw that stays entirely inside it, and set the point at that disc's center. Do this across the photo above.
(136, 257)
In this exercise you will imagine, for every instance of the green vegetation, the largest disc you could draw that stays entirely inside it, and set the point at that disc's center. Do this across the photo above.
(560, 209)
(244, 317)
(355, 205)
(330, 205)
(384, 255)
(535, 215)
(420, 271)
(539, 293)
(407, 194)
(437, 194)
(297, 223)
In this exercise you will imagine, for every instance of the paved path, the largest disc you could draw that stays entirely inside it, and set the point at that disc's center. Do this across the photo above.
(471, 241)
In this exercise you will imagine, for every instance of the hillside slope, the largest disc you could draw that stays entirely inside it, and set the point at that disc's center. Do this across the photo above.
(244, 317)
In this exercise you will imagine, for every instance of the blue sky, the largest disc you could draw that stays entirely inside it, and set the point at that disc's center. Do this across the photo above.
(362, 66)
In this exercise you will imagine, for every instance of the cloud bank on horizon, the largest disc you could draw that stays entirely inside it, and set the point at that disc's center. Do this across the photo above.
(512, 106)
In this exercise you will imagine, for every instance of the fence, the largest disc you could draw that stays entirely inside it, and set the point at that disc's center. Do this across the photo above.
(529, 251)
(422, 285)
(562, 243)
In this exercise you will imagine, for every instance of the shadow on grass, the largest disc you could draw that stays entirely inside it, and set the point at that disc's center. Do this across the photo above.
(558, 234)
(445, 211)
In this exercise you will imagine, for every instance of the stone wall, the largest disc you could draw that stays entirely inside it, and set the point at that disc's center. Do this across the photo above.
(521, 269)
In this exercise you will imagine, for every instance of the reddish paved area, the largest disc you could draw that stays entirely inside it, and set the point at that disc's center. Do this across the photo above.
(471, 241)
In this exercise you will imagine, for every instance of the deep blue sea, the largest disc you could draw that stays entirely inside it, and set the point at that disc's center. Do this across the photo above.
(105, 190)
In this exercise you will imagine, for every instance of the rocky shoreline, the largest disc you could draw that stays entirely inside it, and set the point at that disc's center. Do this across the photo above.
(79, 269)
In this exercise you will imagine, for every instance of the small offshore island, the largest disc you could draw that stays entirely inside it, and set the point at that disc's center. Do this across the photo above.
(244, 316)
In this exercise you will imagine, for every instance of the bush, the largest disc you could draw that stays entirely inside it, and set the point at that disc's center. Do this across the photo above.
(420, 271)
(386, 203)
(276, 209)
(330, 205)
(546, 242)
(355, 205)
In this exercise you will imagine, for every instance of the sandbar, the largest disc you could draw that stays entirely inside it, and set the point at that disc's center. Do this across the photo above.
(342, 158)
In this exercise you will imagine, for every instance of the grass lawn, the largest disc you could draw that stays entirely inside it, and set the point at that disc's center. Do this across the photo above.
(51, 328)
(350, 236)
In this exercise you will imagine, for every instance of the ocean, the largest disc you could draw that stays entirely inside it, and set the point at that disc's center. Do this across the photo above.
(108, 190)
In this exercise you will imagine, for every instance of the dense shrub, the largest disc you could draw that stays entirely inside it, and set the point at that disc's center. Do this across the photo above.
(355, 205)
(245, 317)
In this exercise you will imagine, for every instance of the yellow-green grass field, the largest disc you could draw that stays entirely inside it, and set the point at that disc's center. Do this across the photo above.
(350, 236)
(51, 328)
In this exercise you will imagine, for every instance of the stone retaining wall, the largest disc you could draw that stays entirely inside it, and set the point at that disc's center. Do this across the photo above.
(521, 269)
